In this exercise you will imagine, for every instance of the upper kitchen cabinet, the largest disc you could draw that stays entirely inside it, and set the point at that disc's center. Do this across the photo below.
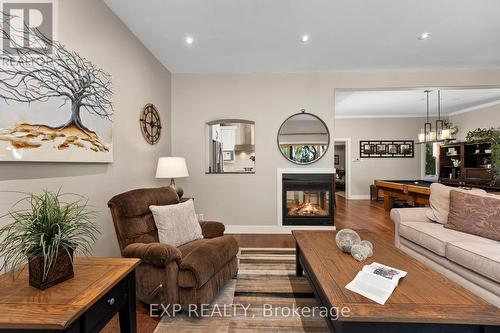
(228, 135)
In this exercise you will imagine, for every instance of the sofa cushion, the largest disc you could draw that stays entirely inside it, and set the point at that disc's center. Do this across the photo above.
(202, 259)
(433, 236)
(439, 201)
(480, 257)
(473, 214)
(177, 224)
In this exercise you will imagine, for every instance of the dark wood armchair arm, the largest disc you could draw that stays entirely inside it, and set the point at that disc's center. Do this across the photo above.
(212, 229)
(157, 254)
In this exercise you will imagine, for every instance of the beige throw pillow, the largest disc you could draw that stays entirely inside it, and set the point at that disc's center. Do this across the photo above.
(177, 224)
(439, 201)
(475, 214)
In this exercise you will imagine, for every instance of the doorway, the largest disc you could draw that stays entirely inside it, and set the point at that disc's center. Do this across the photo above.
(342, 153)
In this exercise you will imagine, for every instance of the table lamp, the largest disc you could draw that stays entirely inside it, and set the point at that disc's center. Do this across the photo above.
(172, 167)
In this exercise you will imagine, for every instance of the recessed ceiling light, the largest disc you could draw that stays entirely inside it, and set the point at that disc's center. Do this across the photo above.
(304, 39)
(189, 40)
(424, 36)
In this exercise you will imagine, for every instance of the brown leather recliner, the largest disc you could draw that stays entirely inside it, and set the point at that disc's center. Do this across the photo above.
(192, 273)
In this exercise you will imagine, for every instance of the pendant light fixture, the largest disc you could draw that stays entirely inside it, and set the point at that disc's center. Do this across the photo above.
(441, 134)
(424, 135)
(439, 121)
(428, 124)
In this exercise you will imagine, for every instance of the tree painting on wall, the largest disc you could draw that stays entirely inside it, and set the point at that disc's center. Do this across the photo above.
(54, 106)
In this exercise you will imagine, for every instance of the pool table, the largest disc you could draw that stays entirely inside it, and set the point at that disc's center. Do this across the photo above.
(417, 191)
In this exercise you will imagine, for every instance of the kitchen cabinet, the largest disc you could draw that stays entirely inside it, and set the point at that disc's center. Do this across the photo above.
(228, 137)
(216, 134)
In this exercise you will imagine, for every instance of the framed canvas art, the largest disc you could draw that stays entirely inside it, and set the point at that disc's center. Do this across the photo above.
(55, 105)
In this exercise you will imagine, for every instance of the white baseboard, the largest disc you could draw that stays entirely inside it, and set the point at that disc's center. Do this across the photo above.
(270, 229)
(359, 197)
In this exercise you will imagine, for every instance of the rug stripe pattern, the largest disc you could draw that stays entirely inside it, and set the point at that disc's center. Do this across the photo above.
(266, 279)
(266, 283)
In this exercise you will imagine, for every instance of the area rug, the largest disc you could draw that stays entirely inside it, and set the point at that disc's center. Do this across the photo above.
(265, 297)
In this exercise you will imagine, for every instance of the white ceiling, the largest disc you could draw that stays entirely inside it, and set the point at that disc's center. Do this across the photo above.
(411, 103)
(263, 35)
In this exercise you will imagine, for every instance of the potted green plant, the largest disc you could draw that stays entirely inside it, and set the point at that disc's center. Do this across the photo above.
(483, 135)
(45, 232)
(492, 136)
(451, 127)
(495, 162)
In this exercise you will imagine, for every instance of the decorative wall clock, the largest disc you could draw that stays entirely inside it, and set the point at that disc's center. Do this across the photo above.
(150, 124)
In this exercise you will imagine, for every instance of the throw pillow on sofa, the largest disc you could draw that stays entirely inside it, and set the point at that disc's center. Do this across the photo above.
(177, 224)
(439, 201)
(475, 214)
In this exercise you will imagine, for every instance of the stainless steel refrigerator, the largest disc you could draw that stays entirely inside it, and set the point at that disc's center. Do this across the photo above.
(216, 157)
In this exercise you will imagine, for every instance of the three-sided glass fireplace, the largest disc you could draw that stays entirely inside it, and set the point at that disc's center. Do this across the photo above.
(307, 199)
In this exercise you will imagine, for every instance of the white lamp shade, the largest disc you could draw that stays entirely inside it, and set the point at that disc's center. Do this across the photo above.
(445, 134)
(421, 137)
(171, 167)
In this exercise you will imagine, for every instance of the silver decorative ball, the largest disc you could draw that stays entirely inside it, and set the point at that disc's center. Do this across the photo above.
(361, 252)
(369, 245)
(346, 238)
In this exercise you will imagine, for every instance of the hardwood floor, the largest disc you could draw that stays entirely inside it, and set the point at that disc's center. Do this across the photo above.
(264, 240)
(364, 214)
(354, 214)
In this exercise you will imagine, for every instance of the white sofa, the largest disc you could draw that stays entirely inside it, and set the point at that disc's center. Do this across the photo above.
(471, 261)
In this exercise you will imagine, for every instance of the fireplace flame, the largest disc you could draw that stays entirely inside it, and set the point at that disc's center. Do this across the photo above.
(307, 209)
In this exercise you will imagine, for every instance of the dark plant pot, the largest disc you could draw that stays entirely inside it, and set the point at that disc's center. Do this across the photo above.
(61, 270)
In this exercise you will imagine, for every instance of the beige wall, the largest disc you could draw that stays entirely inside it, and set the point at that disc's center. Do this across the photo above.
(481, 118)
(269, 99)
(364, 171)
(90, 28)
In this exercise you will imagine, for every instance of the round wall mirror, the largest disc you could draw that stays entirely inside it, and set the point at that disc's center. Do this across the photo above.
(303, 138)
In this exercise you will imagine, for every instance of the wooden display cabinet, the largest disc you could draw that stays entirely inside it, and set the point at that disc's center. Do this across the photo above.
(467, 164)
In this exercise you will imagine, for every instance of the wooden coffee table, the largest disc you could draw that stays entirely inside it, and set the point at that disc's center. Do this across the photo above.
(424, 301)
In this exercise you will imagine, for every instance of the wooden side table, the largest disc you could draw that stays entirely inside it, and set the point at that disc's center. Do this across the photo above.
(101, 288)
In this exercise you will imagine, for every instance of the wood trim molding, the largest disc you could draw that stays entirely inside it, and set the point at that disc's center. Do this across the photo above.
(229, 120)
